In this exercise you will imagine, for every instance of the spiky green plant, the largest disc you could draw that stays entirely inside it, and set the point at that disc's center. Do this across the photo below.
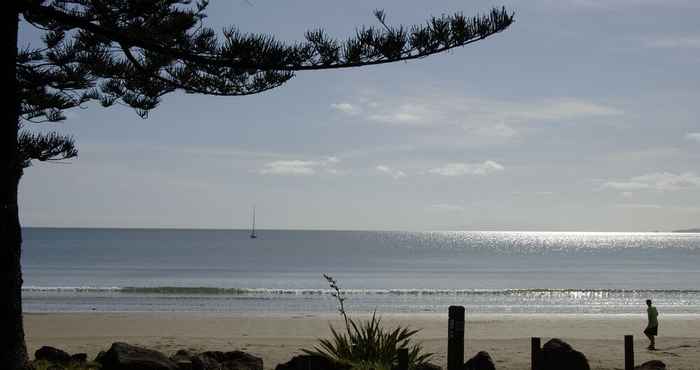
(367, 344)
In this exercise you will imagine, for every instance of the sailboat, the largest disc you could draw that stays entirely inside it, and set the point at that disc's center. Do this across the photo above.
(252, 230)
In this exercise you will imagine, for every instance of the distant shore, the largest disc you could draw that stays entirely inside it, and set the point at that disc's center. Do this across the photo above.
(276, 338)
(696, 230)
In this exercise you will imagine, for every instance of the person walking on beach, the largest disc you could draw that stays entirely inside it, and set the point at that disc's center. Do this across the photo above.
(652, 329)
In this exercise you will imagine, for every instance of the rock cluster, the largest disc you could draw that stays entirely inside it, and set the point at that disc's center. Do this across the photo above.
(123, 356)
(557, 354)
(57, 356)
(235, 360)
(427, 366)
(481, 361)
(651, 365)
(306, 362)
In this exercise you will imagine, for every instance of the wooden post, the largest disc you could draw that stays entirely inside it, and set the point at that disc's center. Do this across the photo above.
(403, 359)
(455, 338)
(629, 352)
(535, 353)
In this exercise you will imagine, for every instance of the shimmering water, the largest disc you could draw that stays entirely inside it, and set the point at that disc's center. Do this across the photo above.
(223, 270)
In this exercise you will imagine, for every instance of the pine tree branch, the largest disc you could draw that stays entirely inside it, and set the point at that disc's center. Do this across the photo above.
(44, 147)
(500, 20)
(132, 52)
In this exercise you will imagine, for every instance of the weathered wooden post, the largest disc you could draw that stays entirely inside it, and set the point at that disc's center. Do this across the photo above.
(403, 359)
(455, 338)
(535, 353)
(629, 352)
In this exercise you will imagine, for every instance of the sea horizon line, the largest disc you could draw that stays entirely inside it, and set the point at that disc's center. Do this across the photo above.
(190, 228)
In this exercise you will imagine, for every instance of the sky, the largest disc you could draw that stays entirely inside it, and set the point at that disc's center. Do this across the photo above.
(582, 116)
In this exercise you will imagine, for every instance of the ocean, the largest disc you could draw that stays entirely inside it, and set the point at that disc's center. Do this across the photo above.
(168, 270)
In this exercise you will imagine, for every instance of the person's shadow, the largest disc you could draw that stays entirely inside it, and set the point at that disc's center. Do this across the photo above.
(665, 350)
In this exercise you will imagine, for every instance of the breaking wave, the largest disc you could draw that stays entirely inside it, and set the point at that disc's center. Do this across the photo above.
(173, 290)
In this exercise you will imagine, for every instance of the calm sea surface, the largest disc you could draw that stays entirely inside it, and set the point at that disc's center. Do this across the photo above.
(281, 271)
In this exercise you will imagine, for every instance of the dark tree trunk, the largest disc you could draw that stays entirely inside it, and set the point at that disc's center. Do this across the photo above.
(13, 351)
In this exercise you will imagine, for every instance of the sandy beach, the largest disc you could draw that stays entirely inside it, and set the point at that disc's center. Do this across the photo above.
(276, 338)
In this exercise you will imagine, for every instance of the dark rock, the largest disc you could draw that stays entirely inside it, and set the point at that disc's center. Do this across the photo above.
(651, 365)
(481, 361)
(557, 354)
(122, 356)
(184, 364)
(309, 362)
(182, 354)
(80, 358)
(51, 354)
(183, 359)
(205, 363)
(235, 360)
(427, 366)
(100, 356)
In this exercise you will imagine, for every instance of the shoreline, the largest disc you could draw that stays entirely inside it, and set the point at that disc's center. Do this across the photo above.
(334, 316)
(278, 337)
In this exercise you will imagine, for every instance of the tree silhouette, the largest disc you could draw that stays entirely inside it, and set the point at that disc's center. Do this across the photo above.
(133, 52)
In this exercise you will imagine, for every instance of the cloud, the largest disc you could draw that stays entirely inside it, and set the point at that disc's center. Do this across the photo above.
(614, 4)
(639, 206)
(626, 185)
(444, 207)
(694, 136)
(651, 206)
(536, 193)
(294, 167)
(300, 167)
(486, 117)
(404, 114)
(561, 109)
(680, 42)
(461, 169)
(498, 130)
(660, 181)
(396, 174)
(330, 161)
(345, 108)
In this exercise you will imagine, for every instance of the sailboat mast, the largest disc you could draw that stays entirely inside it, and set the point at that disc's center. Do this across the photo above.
(252, 230)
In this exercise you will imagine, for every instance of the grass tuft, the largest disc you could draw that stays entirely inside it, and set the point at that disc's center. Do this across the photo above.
(367, 344)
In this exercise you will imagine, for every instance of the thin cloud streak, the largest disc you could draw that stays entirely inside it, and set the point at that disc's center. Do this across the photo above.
(679, 42)
(300, 167)
(659, 181)
(694, 136)
(652, 206)
(394, 173)
(601, 5)
(461, 169)
(444, 207)
(345, 108)
(489, 117)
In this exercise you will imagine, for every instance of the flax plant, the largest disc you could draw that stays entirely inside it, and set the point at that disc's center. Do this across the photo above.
(367, 344)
